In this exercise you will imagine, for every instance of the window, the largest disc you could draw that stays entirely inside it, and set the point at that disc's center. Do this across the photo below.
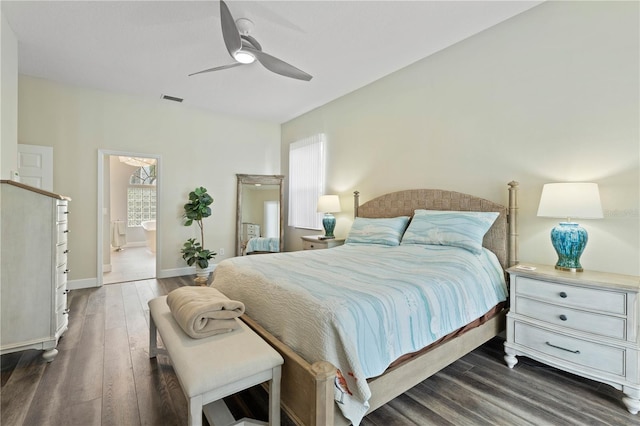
(306, 181)
(141, 196)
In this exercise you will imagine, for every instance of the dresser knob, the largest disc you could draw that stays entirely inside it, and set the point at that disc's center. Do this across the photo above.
(66, 291)
(66, 271)
(563, 317)
(563, 294)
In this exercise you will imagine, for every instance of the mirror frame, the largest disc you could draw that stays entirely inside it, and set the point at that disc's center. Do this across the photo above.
(263, 180)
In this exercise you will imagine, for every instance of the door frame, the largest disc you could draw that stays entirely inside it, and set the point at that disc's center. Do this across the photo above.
(103, 154)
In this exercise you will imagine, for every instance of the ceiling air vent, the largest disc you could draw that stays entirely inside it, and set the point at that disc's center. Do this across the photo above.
(171, 98)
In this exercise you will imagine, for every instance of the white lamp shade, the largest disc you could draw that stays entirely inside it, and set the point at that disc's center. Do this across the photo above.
(570, 200)
(328, 204)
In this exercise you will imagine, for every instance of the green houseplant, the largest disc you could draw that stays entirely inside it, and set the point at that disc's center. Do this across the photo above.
(193, 251)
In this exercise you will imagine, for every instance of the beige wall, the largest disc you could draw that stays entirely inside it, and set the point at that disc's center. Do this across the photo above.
(549, 95)
(197, 148)
(8, 100)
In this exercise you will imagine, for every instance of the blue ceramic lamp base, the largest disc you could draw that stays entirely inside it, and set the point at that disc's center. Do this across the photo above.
(569, 240)
(329, 224)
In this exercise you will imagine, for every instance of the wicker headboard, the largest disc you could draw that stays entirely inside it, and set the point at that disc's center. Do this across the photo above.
(501, 237)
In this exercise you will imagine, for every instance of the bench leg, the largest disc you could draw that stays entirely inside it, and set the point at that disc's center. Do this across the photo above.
(153, 337)
(274, 397)
(195, 411)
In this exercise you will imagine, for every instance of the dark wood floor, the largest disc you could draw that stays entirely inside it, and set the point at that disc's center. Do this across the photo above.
(103, 376)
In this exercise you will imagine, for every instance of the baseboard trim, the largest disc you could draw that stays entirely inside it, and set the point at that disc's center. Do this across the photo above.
(165, 273)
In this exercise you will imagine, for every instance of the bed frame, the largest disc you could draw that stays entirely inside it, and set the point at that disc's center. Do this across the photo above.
(307, 389)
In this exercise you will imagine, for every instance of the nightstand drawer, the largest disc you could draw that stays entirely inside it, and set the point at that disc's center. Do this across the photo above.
(604, 325)
(578, 297)
(595, 356)
(313, 245)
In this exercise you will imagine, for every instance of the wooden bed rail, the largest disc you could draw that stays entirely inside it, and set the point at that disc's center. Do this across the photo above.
(306, 389)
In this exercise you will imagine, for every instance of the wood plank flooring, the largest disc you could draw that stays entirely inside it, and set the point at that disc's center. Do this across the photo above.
(103, 376)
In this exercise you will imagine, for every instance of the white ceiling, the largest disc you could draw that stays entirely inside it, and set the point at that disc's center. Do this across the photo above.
(147, 48)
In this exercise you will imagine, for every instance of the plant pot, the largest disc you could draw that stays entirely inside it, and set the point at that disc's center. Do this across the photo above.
(203, 273)
(202, 276)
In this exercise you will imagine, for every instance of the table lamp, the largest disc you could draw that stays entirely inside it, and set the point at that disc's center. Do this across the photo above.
(570, 200)
(328, 204)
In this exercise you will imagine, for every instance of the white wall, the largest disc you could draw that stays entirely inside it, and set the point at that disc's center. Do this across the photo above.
(549, 95)
(197, 148)
(8, 100)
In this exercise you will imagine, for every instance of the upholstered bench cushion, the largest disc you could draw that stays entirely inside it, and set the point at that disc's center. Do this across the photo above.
(212, 362)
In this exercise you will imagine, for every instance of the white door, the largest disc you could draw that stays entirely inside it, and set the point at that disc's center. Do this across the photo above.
(271, 220)
(35, 166)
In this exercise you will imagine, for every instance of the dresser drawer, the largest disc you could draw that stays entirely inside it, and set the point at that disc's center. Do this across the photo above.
(62, 320)
(61, 275)
(61, 254)
(601, 300)
(63, 231)
(582, 353)
(604, 325)
(62, 212)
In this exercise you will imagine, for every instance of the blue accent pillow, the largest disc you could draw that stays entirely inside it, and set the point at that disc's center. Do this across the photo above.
(449, 228)
(384, 231)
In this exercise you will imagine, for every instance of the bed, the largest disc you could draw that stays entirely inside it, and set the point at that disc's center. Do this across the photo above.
(261, 245)
(334, 373)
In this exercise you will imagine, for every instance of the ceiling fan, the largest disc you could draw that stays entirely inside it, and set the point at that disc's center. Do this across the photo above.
(246, 49)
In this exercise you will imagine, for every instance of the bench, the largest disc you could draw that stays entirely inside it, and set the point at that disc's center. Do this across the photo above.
(214, 367)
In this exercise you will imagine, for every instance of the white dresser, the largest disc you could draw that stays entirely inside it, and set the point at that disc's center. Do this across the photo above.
(250, 230)
(33, 289)
(585, 323)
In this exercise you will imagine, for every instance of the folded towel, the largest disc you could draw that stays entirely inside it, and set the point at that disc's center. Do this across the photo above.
(204, 311)
(122, 228)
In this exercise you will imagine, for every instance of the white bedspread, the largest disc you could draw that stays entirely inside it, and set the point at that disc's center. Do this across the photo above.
(361, 307)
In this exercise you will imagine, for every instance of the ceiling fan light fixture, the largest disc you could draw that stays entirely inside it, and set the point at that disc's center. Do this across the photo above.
(244, 57)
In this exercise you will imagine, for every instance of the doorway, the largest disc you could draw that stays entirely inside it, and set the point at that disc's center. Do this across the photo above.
(128, 207)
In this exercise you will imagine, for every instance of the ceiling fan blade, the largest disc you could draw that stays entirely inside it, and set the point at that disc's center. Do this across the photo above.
(277, 65)
(230, 32)
(222, 67)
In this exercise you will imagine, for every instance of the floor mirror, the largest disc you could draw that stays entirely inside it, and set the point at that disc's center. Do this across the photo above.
(259, 219)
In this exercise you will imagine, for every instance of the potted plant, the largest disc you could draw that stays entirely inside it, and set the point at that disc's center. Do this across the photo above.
(193, 251)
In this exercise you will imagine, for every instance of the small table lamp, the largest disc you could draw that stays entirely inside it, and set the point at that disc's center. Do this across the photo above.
(329, 204)
(570, 200)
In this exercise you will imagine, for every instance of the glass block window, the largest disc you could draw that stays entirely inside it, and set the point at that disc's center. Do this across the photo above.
(141, 204)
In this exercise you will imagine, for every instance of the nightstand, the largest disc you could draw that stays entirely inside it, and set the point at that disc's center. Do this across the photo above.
(313, 242)
(585, 323)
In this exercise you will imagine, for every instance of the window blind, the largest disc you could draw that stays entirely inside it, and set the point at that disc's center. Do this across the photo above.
(306, 181)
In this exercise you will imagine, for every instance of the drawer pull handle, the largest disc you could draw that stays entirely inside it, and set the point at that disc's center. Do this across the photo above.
(563, 294)
(564, 349)
(563, 317)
